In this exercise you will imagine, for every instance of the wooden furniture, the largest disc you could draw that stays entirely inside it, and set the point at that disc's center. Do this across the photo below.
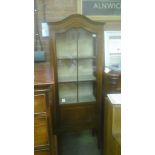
(113, 82)
(45, 142)
(112, 124)
(78, 59)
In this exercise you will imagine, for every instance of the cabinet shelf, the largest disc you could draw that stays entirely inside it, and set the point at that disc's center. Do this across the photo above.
(87, 78)
(74, 79)
(75, 100)
(87, 99)
(68, 100)
(70, 58)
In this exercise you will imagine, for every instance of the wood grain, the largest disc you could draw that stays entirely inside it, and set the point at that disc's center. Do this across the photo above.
(112, 130)
(78, 117)
(43, 74)
(45, 142)
(40, 131)
(39, 103)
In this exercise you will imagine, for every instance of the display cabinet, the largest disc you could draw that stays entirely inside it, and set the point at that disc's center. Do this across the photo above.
(77, 57)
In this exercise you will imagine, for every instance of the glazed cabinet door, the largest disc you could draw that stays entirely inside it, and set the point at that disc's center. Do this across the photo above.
(76, 63)
(76, 60)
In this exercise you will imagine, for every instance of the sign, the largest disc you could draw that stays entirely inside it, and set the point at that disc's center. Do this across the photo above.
(101, 7)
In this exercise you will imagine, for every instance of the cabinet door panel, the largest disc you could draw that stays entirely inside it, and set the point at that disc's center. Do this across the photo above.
(66, 44)
(68, 93)
(87, 91)
(40, 130)
(86, 70)
(67, 70)
(39, 103)
(78, 115)
(86, 43)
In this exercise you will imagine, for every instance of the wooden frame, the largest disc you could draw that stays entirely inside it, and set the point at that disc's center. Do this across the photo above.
(97, 18)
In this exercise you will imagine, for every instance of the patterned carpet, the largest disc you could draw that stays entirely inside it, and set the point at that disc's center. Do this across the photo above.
(79, 144)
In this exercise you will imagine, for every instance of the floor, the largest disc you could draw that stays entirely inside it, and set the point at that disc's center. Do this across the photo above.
(82, 143)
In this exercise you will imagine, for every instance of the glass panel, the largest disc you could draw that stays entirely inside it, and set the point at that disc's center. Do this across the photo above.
(76, 62)
(67, 70)
(86, 91)
(66, 46)
(86, 44)
(86, 66)
(86, 70)
(67, 93)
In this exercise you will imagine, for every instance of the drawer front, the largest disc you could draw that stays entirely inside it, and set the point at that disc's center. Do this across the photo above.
(40, 130)
(40, 103)
(41, 152)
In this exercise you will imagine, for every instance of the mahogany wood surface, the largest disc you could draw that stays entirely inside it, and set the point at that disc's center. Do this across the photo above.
(45, 142)
(40, 103)
(78, 117)
(43, 74)
(40, 130)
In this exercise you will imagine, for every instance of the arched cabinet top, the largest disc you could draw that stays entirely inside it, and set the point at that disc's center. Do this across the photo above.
(75, 21)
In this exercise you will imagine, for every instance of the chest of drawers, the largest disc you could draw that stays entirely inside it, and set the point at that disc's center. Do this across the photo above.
(44, 140)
